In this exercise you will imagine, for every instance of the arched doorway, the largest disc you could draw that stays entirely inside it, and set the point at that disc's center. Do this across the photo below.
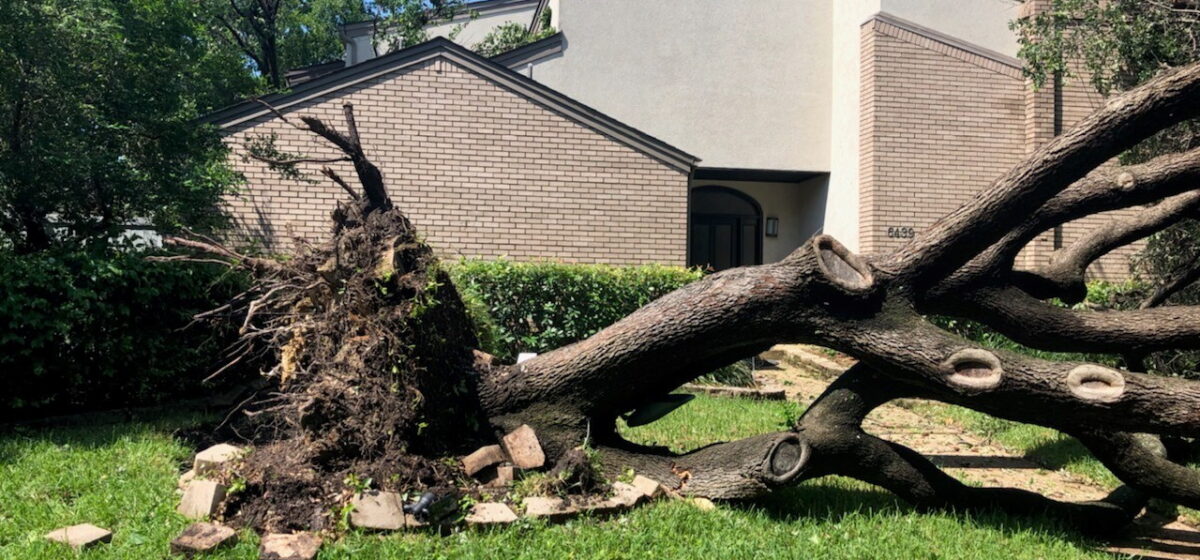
(726, 229)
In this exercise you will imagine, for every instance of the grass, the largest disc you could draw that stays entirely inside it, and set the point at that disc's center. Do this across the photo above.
(1044, 446)
(122, 476)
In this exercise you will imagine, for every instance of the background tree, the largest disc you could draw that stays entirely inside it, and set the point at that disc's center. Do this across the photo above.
(277, 35)
(97, 101)
(1116, 45)
(508, 36)
(403, 22)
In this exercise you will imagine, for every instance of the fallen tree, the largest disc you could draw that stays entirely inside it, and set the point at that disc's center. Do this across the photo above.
(375, 371)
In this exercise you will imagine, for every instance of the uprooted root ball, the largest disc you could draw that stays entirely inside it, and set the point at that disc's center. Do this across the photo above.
(372, 377)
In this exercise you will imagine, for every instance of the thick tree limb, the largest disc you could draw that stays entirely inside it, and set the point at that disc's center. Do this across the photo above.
(1101, 191)
(688, 333)
(739, 469)
(1123, 122)
(1063, 276)
(1040, 325)
(1186, 276)
(1147, 469)
(832, 428)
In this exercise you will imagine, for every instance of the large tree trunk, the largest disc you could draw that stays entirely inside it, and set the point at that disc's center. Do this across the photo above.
(871, 308)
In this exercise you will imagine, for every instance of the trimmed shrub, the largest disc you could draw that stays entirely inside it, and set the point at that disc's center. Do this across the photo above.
(539, 306)
(82, 330)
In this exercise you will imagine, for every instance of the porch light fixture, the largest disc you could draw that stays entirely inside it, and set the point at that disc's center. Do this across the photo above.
(772, 227)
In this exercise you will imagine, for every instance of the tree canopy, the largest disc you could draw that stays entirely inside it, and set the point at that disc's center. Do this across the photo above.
(98, 100)
(1117, 45)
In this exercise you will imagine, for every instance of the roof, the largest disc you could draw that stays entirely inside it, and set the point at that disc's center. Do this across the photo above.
(532, 52)
(297, 76)
(536, 25)
(441, 48)
(1003, 60)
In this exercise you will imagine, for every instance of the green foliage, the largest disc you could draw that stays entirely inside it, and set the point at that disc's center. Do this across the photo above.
(83, 330)
(1119, 44)
(277, 35)
(403, 22)
(535, 307)
(508, 36)
(99, 99)
(1115, 43)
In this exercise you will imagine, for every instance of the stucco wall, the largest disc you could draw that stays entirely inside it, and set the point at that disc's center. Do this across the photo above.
(481, 170)
(737, 83)
(980, 22)
(841, 219)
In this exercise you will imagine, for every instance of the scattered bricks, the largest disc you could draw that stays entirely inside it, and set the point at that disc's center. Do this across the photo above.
(186, 478)
(382, 511)
(212, 459)
(296, 546)
(500, 477)
(201, 498)
(482, 515)
(523, 447)
(411, 522)
(554, 509)
(483, 458)
(625, 495)
(202, 537)
(80, 536)
(648, 486)
(703, 504)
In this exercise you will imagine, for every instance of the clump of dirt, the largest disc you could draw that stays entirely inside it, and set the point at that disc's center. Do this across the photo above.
(578, 473)
(372, 378)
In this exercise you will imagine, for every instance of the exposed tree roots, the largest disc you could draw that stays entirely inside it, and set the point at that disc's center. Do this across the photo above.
(377, 374)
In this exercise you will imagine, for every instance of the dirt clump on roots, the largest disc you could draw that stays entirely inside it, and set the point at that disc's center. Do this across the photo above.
(372, 383)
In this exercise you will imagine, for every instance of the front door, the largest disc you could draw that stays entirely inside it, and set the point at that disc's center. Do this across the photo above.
(724, 241)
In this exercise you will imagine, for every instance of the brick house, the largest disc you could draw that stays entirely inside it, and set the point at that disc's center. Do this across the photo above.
(681, 132)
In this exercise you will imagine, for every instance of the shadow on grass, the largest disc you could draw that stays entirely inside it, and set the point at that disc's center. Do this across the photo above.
(1059, 452)
(831, 500)
(102, 431)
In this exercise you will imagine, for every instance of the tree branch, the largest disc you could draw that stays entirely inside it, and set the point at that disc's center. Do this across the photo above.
(1100, 191)
(1063, 276)
(1123, 122)
(1048, 327)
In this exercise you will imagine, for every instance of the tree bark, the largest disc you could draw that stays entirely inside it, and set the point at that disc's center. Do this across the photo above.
(873, 308)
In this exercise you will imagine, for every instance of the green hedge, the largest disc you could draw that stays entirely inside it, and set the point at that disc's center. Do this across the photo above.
(535, 307)
(85, 331)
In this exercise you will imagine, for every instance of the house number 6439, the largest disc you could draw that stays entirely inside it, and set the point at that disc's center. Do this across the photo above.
(901, 232)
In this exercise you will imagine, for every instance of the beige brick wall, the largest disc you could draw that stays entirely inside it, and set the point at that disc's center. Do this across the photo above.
(481, 170)
(939, 124)
(1067, 101)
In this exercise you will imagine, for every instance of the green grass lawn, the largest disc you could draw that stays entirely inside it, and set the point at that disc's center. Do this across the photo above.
(122, 476)
(1044, 446)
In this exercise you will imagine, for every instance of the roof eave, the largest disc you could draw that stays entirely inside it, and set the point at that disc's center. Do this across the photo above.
(498, 73)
